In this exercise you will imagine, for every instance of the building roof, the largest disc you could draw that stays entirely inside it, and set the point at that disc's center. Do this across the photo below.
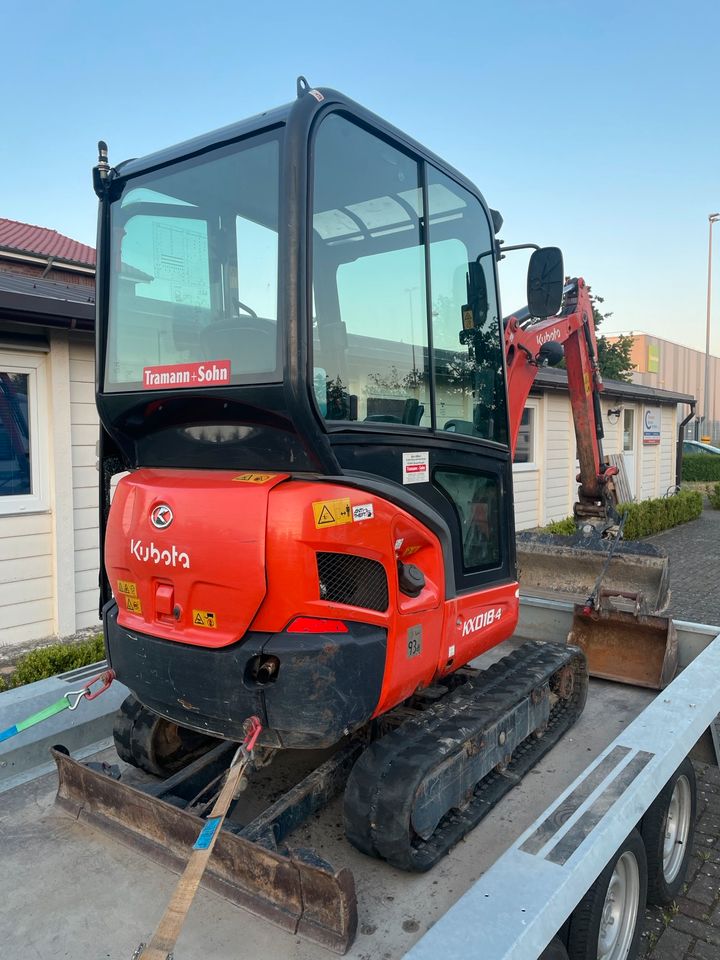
(554, 378)
(46, 302)
(42, 242)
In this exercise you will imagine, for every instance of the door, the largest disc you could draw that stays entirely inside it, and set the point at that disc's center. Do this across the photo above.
(629, 448)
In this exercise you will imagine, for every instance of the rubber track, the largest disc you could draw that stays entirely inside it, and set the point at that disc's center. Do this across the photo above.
(381, 788)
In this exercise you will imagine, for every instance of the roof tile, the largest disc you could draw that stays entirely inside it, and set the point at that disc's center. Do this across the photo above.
(41, 241)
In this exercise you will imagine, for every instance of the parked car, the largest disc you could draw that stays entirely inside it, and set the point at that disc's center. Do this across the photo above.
(694, 446)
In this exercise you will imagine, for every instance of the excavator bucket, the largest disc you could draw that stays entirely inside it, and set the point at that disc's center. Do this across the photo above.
(625, 645)
(297, 891)
(569, 568)
(622, 630)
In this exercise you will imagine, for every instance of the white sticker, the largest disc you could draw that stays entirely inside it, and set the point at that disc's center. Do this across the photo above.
(416, 467)
(451, 650)
(399, 543)
(363, 512)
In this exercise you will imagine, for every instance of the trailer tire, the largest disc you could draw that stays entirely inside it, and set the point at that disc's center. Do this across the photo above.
(555, 950)
(608, 921)
(668, 830)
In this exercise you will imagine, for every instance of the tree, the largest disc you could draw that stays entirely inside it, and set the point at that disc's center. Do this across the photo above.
(613, 358)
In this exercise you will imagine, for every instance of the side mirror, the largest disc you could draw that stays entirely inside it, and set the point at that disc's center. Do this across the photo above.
(545, 281)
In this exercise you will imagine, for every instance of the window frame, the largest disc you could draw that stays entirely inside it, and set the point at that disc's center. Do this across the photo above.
(38, 501)
(425, 163)
(533, 464)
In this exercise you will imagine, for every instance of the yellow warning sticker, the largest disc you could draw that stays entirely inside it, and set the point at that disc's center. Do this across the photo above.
(127, 588)
(586, 380)
(468, 319)
(331, 513)
(204, 618)
(254, 477)
(409, 551)
(133, 604)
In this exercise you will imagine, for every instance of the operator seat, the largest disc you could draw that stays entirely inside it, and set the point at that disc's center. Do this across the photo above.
(249, 343)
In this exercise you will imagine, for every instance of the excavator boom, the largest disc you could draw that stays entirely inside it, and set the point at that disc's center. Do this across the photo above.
(620, 589)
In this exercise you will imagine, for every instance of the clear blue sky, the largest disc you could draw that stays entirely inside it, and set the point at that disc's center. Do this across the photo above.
(593, 126)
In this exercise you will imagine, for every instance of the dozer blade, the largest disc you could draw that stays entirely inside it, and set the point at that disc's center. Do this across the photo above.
(309, 899)
(569, 568)
(630, 647)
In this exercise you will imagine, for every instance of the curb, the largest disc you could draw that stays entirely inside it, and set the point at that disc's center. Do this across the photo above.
(83, 731)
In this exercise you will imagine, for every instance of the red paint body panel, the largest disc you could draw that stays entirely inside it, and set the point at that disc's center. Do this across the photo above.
(245, 551)
(212, 555)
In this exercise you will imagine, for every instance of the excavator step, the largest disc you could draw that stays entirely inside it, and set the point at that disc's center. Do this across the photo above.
(417, 791)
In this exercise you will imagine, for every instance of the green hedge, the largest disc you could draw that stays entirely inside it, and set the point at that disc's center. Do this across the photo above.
(646, 517)
(701, 466)
(57, 658)
(714, 496)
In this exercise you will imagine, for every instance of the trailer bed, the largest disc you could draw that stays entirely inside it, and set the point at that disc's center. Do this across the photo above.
(71, 891)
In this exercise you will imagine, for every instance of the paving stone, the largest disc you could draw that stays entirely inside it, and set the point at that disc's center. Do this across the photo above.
(699, 911)
(703, 890)
(672, 945)
(693, 551)
(704, 951)
(696, 928)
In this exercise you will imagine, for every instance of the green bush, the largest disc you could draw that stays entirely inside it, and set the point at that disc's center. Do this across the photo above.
(714, 497)
(701, 466)
(57, 658)
(646, 517)
(564, 528)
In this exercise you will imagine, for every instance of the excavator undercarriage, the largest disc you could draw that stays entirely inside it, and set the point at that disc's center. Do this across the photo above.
(416, 782)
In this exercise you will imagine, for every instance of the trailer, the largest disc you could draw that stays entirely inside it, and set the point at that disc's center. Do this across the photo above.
(505, 891)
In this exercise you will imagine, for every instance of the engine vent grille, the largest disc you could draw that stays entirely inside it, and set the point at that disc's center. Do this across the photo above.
(345, 578)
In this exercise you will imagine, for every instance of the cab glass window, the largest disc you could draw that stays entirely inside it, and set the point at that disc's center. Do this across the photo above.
(467, 332)
(370, 343)
(193, 288)
(476, 499)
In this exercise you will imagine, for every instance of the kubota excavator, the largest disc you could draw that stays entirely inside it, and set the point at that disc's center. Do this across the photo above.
(304, 377)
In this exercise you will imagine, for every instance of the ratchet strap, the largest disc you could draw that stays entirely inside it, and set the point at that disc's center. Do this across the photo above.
(163, 941)
(67, 702)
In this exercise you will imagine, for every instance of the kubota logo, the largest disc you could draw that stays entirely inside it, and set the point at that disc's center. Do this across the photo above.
(549, 336)
(161, 516)
(481, 621)
(149, 553)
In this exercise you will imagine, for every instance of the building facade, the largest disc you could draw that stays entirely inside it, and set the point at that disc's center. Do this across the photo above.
(48, 431)
(641, 435)
(672, 366)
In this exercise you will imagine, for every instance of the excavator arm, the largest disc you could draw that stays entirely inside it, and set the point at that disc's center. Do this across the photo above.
(530, 344)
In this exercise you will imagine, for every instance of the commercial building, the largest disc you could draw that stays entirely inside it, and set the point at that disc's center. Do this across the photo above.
(673, 366)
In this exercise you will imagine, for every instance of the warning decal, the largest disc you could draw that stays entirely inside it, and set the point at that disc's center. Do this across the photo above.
(254, 477)
(331, 513)
(127, 588)
(133, 604)
(204, 618)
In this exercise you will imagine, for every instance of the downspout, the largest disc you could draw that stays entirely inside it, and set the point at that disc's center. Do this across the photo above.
(679, 453)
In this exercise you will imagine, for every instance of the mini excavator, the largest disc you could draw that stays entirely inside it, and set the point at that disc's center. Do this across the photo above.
(309, 402)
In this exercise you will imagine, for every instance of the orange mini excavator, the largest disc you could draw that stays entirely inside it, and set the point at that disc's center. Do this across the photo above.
(302, 374)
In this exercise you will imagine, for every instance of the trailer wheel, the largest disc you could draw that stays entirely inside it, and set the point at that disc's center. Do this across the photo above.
(668, 829)
(607, 923)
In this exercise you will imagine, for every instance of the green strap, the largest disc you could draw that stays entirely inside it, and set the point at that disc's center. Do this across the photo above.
(43, 714)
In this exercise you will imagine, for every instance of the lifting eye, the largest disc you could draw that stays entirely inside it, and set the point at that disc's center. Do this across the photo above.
(411, 579)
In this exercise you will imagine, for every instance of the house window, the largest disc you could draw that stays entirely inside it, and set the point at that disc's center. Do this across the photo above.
(525, 446)
(23, 471)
